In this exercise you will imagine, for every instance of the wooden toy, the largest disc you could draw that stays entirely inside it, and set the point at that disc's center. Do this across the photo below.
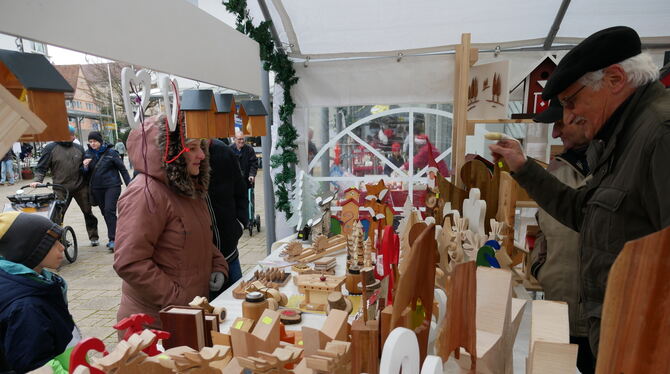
(497, 320)
(550, 349)
(415, 286)
(485, 176)
(134, 324)
(474, 210)
(254, 305)
(334, 328)
(290, 316)
(262, 281)
(202, 303)
(186, 326)
(334, 358)
(325, 264)
(45, 95)
(634, 329)
(316, 289)
(210, 360)
(252, 113)
(265, 336)
(273, 363)
(79, 355)
(349, 213)
(353, 279)
(321, 247)
(337, 301)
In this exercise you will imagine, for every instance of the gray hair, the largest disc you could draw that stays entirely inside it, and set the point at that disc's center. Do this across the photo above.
(640, 70)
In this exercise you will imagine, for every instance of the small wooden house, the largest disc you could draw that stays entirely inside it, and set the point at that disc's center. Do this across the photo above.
(16, 120)
(252, 113)
(32, 79)
(199, 108)
(224, 115)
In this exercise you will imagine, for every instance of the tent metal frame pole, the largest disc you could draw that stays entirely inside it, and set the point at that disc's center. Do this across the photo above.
(556, 25)
(268, 190)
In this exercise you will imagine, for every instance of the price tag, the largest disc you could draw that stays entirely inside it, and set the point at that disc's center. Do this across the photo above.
(239, 324)
(266, 320)
(300, 342)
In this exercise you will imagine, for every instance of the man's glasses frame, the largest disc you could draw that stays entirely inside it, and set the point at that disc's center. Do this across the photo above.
(569, 102)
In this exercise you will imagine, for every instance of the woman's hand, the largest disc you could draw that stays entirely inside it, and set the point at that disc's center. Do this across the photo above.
(86, 162)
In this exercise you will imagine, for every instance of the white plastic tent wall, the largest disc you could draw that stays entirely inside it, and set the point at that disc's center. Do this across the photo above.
(346, 41)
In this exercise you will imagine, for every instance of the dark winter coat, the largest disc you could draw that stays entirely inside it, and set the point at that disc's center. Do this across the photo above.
(248, 161)
(229, 198)
(35, 324)
(625, 197)
(64, 159)
(104, 168)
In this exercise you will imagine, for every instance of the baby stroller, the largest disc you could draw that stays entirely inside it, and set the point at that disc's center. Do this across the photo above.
(254, 219)
(46, 205)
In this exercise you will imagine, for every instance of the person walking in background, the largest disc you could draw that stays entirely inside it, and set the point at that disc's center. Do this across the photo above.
(395, 157)
(247, 158)
(7, 168)
(64, 159)
(229, 207)
(120, 148)
(102, 164)
(164, 251)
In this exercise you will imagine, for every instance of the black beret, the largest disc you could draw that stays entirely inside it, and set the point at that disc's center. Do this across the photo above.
(600, 50)
(551, 114)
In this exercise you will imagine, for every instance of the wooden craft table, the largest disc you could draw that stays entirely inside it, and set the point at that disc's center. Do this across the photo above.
(315, 320)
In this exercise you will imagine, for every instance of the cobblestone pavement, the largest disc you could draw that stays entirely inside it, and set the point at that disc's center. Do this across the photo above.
(94, 289)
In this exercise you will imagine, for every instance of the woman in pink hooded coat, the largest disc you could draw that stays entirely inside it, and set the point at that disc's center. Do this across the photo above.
(164, 250)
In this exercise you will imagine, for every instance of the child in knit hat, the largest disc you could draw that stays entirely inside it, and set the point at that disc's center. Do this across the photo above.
(35, 323)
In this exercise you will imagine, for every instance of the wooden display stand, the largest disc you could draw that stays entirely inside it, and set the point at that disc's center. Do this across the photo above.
(334, 328)
(265, 336)
(550, 349)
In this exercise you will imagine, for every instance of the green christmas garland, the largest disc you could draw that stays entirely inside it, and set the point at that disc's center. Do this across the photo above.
(278, 62)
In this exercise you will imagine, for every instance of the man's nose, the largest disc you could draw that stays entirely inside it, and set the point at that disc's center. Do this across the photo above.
(556, 131)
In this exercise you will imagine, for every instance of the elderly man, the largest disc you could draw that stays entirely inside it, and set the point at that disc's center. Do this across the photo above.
(247, 158)
(608, 86)
(556, 255)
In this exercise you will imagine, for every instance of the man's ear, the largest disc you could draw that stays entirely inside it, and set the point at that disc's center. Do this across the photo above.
(615, 78)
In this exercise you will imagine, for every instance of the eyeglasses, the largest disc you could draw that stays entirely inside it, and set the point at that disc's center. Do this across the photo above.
(569, 102)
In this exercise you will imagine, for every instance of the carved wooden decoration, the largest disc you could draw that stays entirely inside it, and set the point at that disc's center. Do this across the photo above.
(416, 285)
(316, 289)
(335, 327)
(476, 174)
(335, 358)
(271, 363)
(509, 194)
(265, 336)
(459, 329)
(474, 210)
(635, 334)
(450, 193)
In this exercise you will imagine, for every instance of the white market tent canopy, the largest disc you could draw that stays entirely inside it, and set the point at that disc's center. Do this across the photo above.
(170, 36)
(345, 41)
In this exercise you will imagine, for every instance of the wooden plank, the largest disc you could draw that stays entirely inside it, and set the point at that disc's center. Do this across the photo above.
(462, 62)
(635, 329)
(552, 358)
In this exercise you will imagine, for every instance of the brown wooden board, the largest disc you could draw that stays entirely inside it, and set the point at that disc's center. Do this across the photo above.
(416, 286)
(459, 329)
(635, 328)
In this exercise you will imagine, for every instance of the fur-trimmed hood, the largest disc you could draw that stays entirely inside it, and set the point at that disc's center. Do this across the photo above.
(146, 150)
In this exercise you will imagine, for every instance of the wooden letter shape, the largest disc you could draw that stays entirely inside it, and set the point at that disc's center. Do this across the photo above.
(474, 209)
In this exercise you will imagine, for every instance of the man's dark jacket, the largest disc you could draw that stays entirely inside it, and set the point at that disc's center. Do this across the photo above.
(104, 168)
(228, 197)
(35, 324)
(64, 159)
(625, 197)
(248, 161)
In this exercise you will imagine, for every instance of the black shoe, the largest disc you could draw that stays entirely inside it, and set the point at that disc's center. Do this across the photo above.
(95, 242)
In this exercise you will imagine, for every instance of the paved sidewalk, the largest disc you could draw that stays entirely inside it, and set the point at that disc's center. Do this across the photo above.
(94, 289)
